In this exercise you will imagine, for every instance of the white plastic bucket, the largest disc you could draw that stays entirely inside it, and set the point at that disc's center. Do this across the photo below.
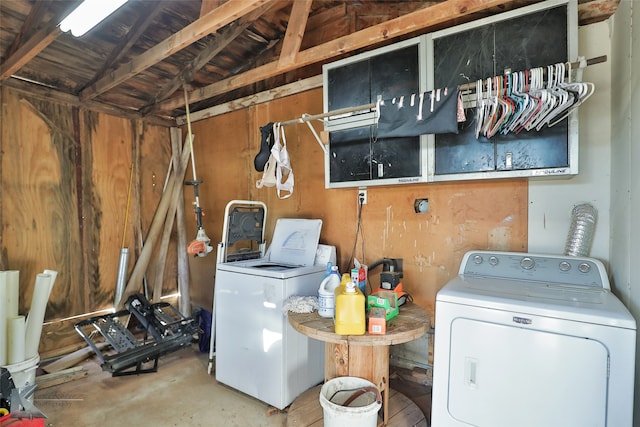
(361, 412)
(24, 373)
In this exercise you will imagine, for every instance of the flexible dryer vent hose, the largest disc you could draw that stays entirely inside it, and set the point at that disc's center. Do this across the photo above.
(583, 224)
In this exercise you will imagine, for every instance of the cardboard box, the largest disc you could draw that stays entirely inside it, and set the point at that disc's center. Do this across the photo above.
(387, 300)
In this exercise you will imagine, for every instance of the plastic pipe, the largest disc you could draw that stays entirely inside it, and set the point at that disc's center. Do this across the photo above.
(41, 292)
(3, 317)
(13, 292)
(16, 349)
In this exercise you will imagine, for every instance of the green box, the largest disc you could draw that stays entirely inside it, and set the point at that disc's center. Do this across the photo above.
(386, 300)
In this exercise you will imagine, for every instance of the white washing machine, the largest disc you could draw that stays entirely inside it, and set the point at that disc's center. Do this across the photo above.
(256, 349)
(532, 340)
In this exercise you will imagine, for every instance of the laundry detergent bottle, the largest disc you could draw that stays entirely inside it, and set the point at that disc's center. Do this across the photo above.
(326, 293)
(350, 314)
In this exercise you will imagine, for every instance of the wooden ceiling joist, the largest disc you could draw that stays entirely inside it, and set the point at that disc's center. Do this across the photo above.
(222, 40)
(212, 21)
(295, 32)
(48, 94)
(412, 22)
(25, 52)
(137, 30)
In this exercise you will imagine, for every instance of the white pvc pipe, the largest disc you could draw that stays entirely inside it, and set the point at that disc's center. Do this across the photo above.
(13, 292)
(39, 300)
(54, 276)
(3, 318)
(16, 350)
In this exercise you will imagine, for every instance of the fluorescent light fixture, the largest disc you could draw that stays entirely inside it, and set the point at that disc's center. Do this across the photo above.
(89, 14)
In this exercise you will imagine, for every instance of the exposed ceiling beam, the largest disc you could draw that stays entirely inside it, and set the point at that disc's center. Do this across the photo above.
(212, 21)
(34, 45)
(222, 40)
(295, 31)
(136, 31)
(208, 5)
(30, 49)
(29, 26)
(49, 94)
(406, 24)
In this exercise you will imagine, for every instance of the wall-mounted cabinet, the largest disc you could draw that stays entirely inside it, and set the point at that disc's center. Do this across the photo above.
(533, 36)
(357, 156)
(523, 39)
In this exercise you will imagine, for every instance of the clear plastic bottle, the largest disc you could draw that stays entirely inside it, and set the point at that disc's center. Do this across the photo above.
(326, 293)
(350, 314)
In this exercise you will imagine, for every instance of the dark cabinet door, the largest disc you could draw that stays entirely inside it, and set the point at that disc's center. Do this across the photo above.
(358, 154)
(521, 43)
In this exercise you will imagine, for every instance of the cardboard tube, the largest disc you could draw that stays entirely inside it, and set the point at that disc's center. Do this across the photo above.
(41, 292)
(16, 328)
(3, 318)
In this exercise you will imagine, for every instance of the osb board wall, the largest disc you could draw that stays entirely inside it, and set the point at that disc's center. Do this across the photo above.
(65, 179)
(488, 214)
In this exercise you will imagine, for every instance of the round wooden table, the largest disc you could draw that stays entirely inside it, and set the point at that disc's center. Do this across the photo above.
(365, 356)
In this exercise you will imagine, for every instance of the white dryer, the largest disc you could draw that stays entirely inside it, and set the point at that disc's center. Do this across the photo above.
(532, 340)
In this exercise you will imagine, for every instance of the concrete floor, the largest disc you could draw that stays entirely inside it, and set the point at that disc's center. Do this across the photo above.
(181, 393)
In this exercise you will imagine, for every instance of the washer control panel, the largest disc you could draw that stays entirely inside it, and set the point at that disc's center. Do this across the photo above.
(560, 269)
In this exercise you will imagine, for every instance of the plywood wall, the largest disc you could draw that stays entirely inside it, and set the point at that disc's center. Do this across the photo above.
(65, 175)
(463, 215)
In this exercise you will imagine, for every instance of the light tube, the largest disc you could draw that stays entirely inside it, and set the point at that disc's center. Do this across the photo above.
(89, 14)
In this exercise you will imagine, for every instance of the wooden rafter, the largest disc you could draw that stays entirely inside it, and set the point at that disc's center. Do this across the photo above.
(406, 24)
(295, 32)
(137, 30)
(48, 94)
(212, 21)
(25, 52)
(29, 26)
(223, 39)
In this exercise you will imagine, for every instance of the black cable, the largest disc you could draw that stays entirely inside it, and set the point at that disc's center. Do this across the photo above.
(359, 232)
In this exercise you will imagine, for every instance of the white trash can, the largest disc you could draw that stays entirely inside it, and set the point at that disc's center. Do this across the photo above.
(350, 402)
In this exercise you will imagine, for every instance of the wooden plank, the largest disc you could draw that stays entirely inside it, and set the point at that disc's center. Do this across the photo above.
(126, 42)
(336, 360)
(28, 51)
(295, 31)
(258, 98)
(72, 359)
(61, 377)
(411, 322)
(207, 24)
(209, 5)
(49, 94)
(23, 53)
(221, 41)
(134, 283)
(406, 24)
(183, 262)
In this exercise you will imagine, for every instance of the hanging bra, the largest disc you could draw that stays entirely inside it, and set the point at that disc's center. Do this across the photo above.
(283, 163)
(278, 167)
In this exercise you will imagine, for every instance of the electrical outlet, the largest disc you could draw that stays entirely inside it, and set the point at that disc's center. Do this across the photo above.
(362, 196)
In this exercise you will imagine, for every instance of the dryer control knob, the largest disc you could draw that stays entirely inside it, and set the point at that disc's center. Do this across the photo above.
(493, 260)
(565, 266)
(527, 263)
(477, 259)
(584, 267)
